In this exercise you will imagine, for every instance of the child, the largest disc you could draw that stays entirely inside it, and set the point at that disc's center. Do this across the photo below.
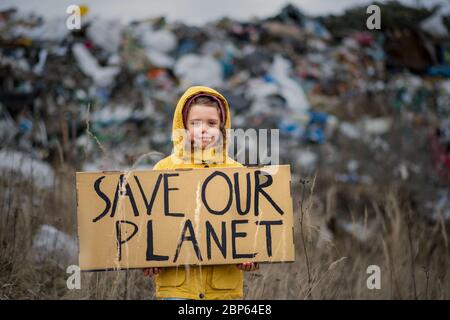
(204, 113)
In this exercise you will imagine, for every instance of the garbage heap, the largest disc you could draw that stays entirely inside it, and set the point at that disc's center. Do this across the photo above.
(358, 106)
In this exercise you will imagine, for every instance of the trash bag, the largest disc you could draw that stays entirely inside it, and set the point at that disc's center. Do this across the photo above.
(51, 244)
(106, 34)
(102, 76)
(193, 69)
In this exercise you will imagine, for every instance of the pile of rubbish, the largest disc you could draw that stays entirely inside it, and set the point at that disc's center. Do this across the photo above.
(82, 96)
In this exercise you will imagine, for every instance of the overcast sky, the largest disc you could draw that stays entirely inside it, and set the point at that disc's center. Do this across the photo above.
(193, 11)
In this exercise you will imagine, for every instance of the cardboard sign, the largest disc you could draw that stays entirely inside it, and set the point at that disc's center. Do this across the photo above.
(159, 218)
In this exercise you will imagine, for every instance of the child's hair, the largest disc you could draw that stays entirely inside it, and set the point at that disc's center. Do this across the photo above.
(211, 101)
(206, 100)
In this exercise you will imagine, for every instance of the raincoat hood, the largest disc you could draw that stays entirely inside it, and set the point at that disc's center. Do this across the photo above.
(181, 142)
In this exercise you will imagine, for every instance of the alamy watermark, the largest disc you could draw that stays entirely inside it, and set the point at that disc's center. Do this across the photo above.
(74, 280)
(374, 280)
(373, 22)
(73, 21)
(251, 146)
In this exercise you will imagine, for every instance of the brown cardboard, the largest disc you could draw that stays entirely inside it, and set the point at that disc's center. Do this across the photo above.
(136, 232)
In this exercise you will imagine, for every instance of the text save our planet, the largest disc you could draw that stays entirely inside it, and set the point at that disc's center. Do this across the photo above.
(203, 216)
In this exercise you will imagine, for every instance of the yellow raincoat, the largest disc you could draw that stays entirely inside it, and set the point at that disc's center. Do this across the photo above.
(192, 282)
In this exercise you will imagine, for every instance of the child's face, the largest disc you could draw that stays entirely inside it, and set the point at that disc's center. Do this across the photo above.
(203, 124)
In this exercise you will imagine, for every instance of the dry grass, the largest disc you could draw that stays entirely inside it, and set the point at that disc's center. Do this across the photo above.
(411, 251)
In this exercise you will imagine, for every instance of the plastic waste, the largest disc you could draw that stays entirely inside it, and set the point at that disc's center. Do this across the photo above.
(39, 172)
(106, 34)
(102, 76)
(289, 89)
(434, 25)
(51, 244)
(195, 69)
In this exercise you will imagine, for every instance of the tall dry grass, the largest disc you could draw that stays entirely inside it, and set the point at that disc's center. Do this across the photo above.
(331, 261)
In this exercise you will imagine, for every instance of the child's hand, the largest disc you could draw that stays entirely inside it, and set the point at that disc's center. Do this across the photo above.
(248, 266)
(148, 272)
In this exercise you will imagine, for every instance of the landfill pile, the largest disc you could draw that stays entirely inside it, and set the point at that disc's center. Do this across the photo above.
(358, 107)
